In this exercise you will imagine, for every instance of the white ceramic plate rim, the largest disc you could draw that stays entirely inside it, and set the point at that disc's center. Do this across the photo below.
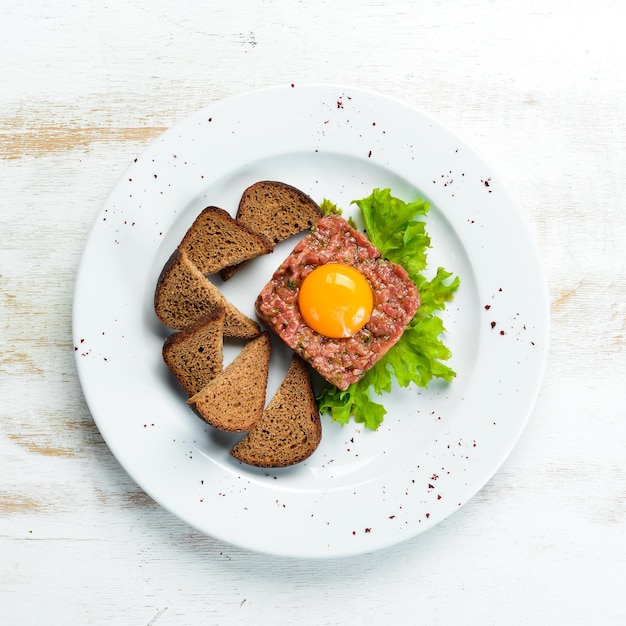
(361, 491)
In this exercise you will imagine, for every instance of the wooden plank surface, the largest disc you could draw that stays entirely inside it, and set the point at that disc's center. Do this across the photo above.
(538, 88)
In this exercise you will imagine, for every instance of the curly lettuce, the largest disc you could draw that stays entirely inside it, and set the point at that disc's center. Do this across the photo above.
(398, 230)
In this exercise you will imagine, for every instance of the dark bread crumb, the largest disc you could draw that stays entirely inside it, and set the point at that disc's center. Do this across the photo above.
(277, 211)
(234, 400)
(216, 240)
(290, 429)
(184, 295)
(195, 355)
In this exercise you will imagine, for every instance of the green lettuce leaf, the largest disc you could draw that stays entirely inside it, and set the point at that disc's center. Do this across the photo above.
(398, 230)
(329, 208)
(392, 226)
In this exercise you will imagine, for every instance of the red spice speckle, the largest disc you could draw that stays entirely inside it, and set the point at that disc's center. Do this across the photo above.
(493, 324)
(502, 332)
(487, 307)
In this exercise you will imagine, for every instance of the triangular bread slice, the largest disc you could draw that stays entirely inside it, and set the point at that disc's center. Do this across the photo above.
(216, 240)
(195, 355)
(277, 211)
(234, 400)
(239, 325)
(290, 428)
(184, 295)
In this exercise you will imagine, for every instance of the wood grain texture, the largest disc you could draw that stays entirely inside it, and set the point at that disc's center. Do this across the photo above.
(538, 88)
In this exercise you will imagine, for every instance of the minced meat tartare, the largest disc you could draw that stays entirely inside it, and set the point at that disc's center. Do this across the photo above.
(341, 361)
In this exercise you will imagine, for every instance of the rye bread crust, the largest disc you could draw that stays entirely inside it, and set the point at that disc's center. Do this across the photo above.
(195, 355)
(216, 240)
(234, 400)
(290, 429)
(277, 211)
(183, 296)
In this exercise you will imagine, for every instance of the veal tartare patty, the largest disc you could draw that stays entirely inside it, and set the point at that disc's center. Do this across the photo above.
(345, 360)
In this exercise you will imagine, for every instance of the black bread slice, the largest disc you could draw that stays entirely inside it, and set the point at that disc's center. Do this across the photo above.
(184, 295)
(277, 211)
(216, 240)
(234, 400)
(195, 355)
(290, 428)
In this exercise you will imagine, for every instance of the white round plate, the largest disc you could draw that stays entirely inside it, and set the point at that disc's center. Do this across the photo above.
(361, 490)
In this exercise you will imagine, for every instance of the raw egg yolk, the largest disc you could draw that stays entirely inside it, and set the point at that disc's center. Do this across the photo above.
(335, 300)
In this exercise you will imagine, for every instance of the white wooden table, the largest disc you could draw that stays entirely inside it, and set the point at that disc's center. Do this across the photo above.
(538, 88)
